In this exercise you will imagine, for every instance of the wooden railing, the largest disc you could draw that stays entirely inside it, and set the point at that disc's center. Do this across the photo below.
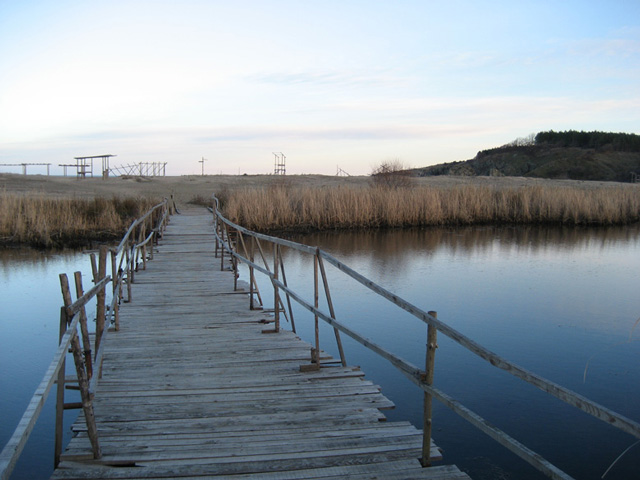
(242, 244)
(135, 248)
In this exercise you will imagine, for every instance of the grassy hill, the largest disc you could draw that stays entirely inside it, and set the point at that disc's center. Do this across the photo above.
(570, 155)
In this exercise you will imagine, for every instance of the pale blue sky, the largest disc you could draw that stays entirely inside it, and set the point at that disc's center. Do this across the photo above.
(348, 83)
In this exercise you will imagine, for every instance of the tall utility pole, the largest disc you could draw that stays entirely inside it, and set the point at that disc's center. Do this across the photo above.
(202, 162)
(279, 164)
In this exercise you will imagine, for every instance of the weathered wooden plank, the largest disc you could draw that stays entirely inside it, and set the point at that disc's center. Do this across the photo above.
(191, 388)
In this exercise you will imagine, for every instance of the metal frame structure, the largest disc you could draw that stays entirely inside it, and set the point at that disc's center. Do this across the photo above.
(24, 166)
(84, 165)
(279, 164)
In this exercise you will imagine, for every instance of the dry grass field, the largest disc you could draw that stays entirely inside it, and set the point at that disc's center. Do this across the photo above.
(62, 211)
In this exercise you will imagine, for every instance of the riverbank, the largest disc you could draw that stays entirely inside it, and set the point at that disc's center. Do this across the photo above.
(43, 221)
(63, 211)
(303, 209)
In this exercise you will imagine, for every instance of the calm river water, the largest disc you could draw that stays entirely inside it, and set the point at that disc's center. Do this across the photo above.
(560, 302)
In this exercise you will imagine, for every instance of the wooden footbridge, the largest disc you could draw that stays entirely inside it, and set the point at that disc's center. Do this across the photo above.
(196, 380)
(192, 387)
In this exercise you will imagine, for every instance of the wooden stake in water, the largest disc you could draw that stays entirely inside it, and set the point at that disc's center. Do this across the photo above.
(432, 337)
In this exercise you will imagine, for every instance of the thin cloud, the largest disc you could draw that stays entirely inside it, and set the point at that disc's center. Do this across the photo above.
(327, 77)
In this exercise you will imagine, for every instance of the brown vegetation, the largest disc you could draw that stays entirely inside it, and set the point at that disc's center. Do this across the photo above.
(273, 209)
(61, 211)
(45, 221)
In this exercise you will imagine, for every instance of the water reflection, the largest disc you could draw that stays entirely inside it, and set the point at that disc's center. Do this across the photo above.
(29, 325)
(399, 245)
(554, 300)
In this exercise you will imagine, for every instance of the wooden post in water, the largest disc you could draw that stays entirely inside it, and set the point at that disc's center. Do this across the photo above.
(84, 327)
(83, 383)
(234, 262)
(60, 395)
(284, 280)
(332, 312)
(101, 296)
(276, 293)
(316, 303)
(129, 271)
(94, 266)
(432, 338)
(143, 236)
(222, 232)
(117, 289)
(251, 276)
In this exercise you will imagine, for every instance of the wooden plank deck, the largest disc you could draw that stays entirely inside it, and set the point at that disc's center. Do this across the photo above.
(191, 388)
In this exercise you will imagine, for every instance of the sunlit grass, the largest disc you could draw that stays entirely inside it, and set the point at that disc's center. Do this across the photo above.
(43, 221)
(292, 208)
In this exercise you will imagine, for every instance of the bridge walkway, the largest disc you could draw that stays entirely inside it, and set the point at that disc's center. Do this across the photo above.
(192, 388)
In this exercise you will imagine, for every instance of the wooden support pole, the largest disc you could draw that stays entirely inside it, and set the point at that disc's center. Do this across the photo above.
(94, 267)
(432, 338)
(316, 298)
(284, 280)
(234, 263)
(101, 297)
(83, 383)
(143, 236)
(276, 293)
(129, 272)
(60, 395)
(84, 329)
(222, 232)
(252, 278)
(117, 289)
(87, 401)
(332, 312)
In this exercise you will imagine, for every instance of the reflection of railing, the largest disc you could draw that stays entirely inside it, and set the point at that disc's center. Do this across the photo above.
(136, 246)
(241, 244)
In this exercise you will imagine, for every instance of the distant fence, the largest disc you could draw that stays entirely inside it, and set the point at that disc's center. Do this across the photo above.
(244, 246)
(135, 249)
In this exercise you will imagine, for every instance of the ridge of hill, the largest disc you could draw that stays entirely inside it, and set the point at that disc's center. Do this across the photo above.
(556, 155)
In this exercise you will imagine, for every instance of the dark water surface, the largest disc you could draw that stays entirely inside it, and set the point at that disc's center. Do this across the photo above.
(29, 324)
(561, 302)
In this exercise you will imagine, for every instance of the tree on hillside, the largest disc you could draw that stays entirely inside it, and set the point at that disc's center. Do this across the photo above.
(619, 142)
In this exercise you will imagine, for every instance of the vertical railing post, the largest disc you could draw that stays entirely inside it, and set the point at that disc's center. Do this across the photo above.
(86, 342)
(251, 275)
(432, 338)
(284, 280)
(125, 250)
(234, 263)
(60, 394)
(143, 237)
(101, 297)
(222, 232)
(216, 228)
(325, 282)
(83, 383)
(276, 293)
(117, 292)
(316, 297)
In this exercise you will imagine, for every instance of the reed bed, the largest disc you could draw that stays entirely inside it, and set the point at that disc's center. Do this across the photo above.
(46, 222)
(307, 209)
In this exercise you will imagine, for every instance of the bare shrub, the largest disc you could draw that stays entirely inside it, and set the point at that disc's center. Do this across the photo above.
(391, 174)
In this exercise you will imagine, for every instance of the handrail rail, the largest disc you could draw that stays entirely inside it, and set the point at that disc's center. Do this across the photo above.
(412, 372)
(70, 321)
(138, 222)
(12, 450)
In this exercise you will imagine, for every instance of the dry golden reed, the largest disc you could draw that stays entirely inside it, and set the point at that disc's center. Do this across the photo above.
(43, 221)
(291, 208)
